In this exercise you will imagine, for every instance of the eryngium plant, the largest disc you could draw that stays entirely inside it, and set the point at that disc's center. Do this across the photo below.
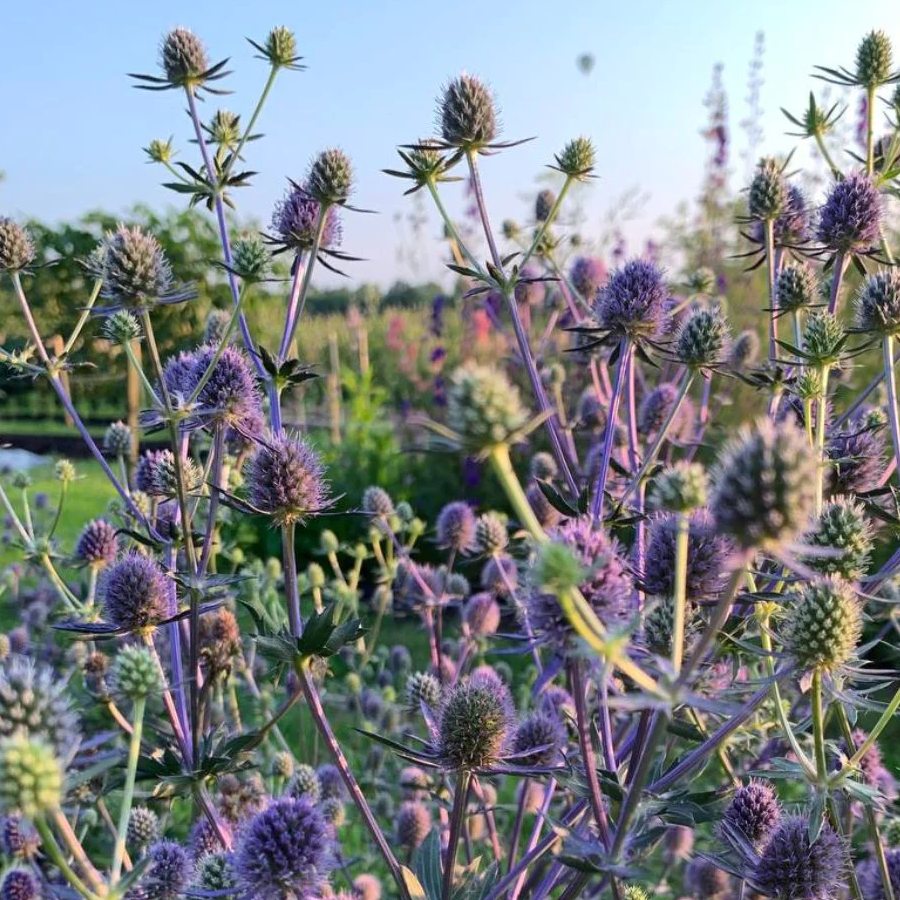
(683, 585)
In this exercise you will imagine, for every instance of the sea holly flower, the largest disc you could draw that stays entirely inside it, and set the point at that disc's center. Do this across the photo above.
(279, 49)
(185, 64)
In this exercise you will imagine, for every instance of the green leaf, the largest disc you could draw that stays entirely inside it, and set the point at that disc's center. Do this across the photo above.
(427, 864)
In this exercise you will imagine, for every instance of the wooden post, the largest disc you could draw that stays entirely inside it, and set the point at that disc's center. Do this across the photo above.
(56, 344)
(333, 388)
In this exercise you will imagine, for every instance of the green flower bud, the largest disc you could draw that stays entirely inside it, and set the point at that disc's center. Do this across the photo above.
(822, 625)
(135, 672)
(681, 487)
(768, 191)
(31, 777)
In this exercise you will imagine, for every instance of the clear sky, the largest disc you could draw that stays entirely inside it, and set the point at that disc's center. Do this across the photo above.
(73, 126)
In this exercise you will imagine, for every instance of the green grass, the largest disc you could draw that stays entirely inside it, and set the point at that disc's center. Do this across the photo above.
(86, 498)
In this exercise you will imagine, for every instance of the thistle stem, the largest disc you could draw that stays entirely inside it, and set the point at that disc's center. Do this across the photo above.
(273, 71)
(682, 534)
(300, 301)
(457, 814)
(626, 351)
(769, 226)
(506, 475)
(686, 382)
(223, 232)
(818, 721)
(53, 850)
(82, 319)
(295, 618)
(841, 260)
(134, 751)
(69, 407)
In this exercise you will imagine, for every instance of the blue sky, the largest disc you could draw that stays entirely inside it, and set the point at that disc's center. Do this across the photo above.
(74, 127)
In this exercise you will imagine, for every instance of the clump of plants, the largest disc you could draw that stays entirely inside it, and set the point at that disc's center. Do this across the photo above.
(668, 663)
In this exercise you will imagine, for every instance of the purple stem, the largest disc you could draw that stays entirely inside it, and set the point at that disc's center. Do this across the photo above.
(522, 339)
(586, 745)
(700, 753)
(838, 270)
(223, 233)
(69, 407)
(539, 819)
(296, 281)
(625, 351)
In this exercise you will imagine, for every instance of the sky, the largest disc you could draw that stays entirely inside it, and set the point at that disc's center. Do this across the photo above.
(73, 126)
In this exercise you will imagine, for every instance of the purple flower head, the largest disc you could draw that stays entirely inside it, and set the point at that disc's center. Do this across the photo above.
(656, 407)
(20, 884)
(871, 767)
(135, 593)
(587, 275)
(857, 457)
(793, 868)
(331, 782)
(97, 544)
(705, 880)
(286, 479)
(850, 219)
(556, 701)
(168, 872)
(230, 395)
(481, 614)
(754, 811)
(456, 527)
(475, 720)
(529, 292)
(869, 876)
(178, 374)
(413, 824)
(538, 739)
(294, 221)
(607, 585)
(500, 575)
(792, 227)
(631, 304)
(708, 553)
(287, 850)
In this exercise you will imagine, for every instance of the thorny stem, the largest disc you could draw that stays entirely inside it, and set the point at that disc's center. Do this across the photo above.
(586, 745)
(653, 452)
(457, 814)
(871, 820)
(223, 232)
(291, 327)
(841, 260)
(769, 225)
(69, 407)
(506, 475)
(537, 386)
(626, 351)
(324, 728)
(682, 534)
(52, 849)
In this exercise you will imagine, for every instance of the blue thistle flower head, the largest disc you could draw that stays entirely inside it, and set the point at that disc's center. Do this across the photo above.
(294, 221)
(413, 824)
(606, 583)
(286, 479)
(97, 544)
(868, 873)
(456, 527)
(878, 304)
(135, 593)
(708, 553)
(851, 217)
(857, 457)
(475, 720)
(168, 872)
(754, 810)
(631, 304)
(538, 739)
(467, 114)
(792, 867)
(20, 884)
(230, 395)
(178, 374)
(287, 850)
(587, 275)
